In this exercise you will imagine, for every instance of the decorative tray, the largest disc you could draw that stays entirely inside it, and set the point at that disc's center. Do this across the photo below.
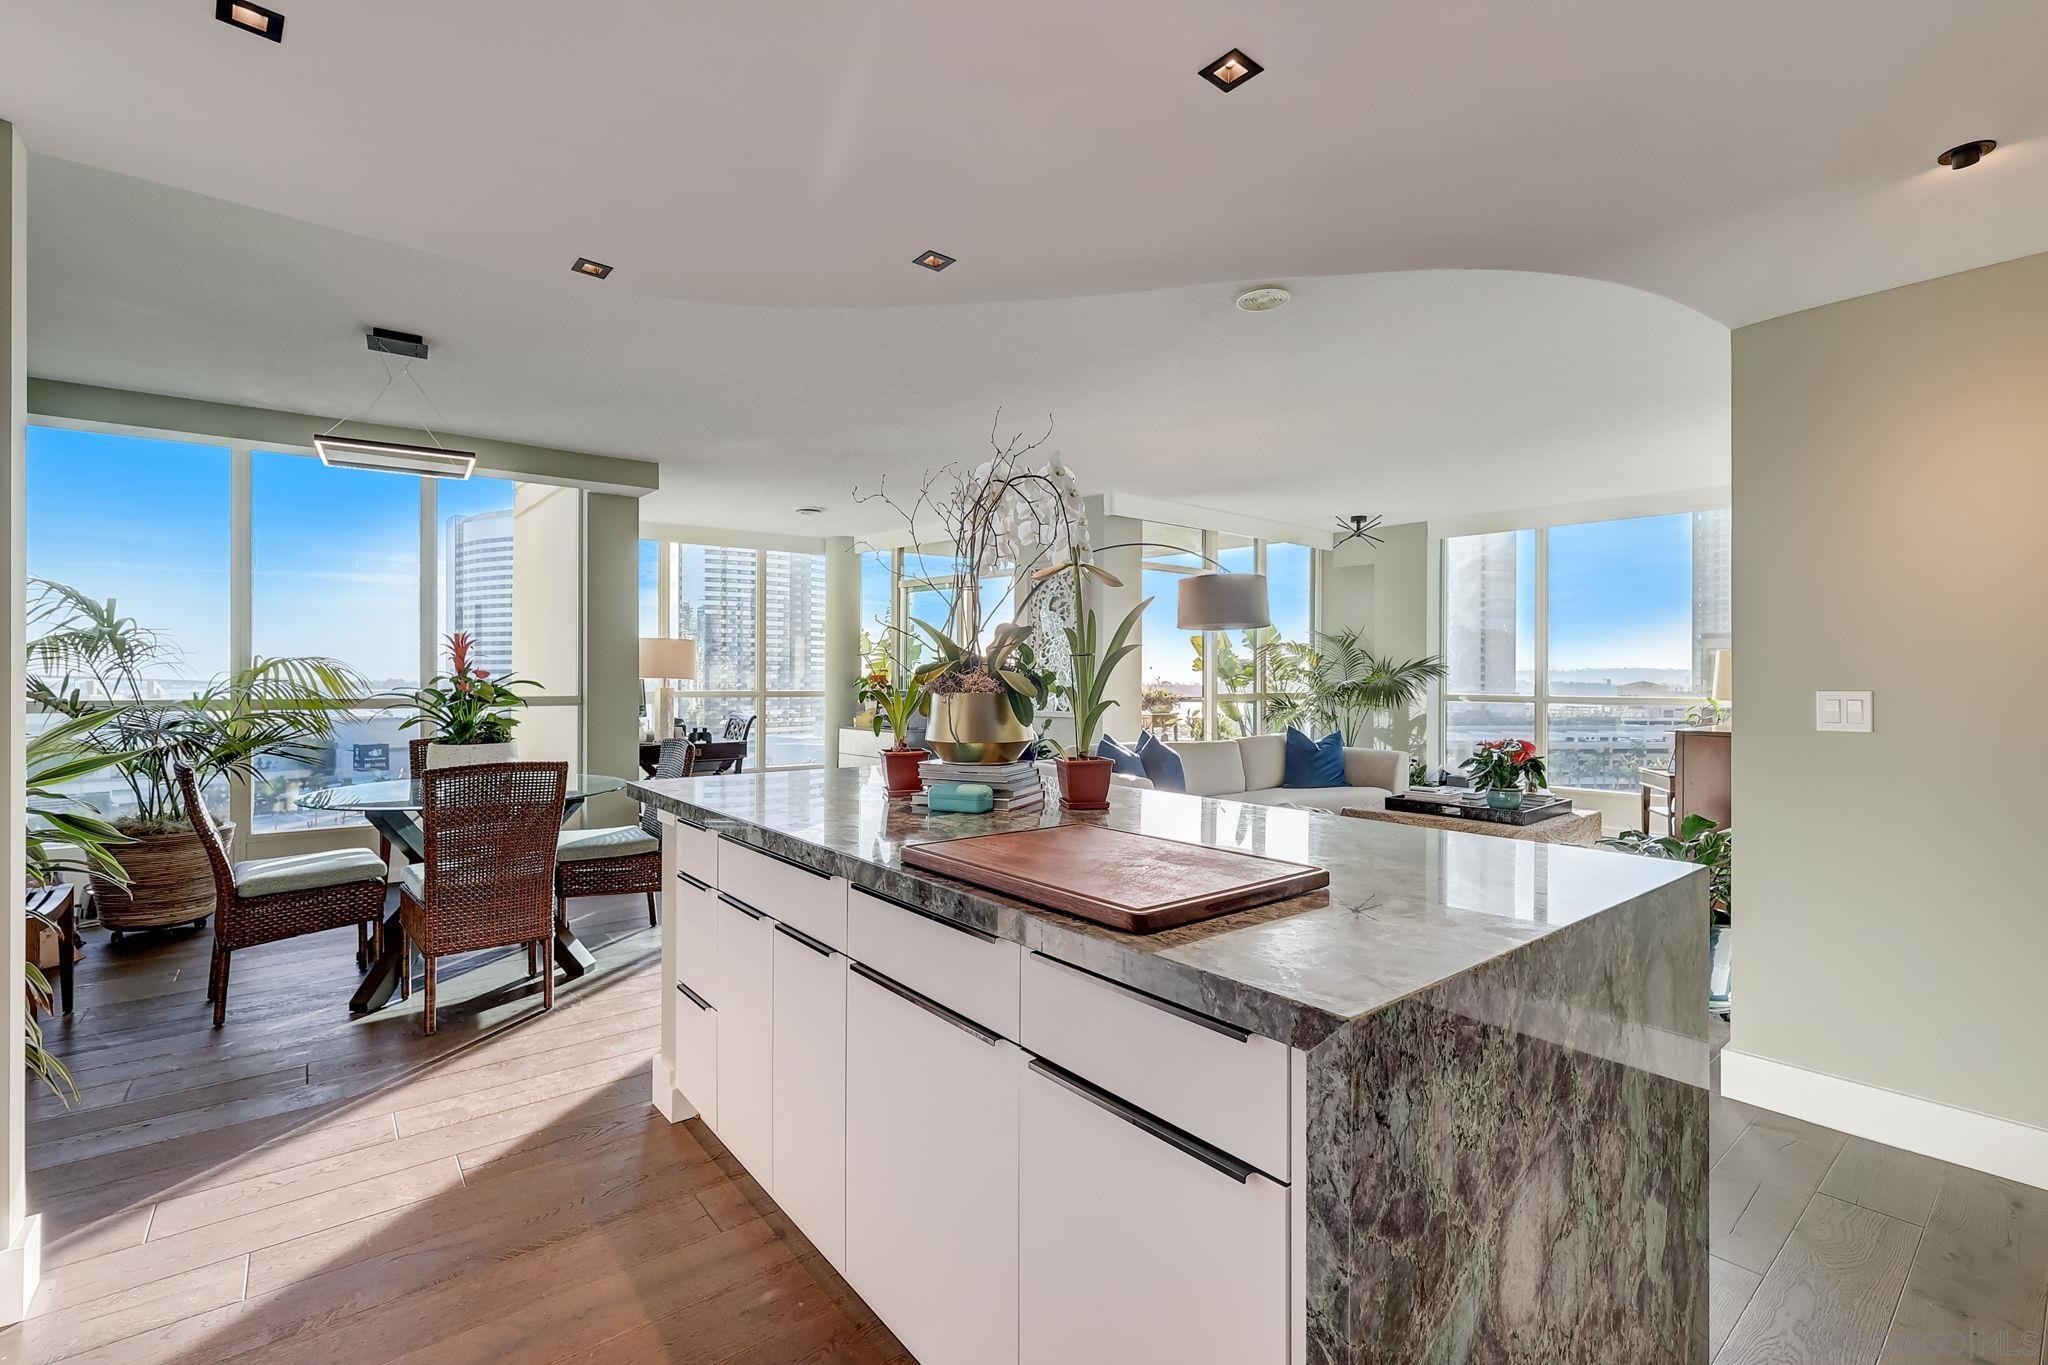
(1138, 883)
(1526, 814)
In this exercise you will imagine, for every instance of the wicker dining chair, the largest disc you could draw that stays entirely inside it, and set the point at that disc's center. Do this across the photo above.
(620, 860)
(263, 900)
(489, 876)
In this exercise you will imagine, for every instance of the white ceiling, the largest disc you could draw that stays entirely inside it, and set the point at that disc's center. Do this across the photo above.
(761, 175)
(1425, 393)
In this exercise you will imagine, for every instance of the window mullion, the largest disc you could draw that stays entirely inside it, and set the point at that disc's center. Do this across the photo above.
(241, 608)
(1541, 684)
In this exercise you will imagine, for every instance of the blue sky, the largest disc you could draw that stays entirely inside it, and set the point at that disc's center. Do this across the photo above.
(1621, 594)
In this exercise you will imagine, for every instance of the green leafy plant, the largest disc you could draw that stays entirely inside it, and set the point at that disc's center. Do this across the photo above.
(279, 707)
(1335, 682)
(1708, 712)
(1159, 700)
(1009, 667)
(1092, 663)
(466, 705)
(1699, 840)
(895, 700)
(1505, 765)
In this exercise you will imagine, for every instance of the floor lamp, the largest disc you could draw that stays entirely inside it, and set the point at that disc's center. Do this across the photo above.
(666, 660)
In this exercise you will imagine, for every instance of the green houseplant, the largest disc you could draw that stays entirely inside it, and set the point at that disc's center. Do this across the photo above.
(895, 699)
(101, 660)
(1335, 681)
(1084, 778)
(1504, 769)
(467, 713)
(1703, 842)
(981, 701)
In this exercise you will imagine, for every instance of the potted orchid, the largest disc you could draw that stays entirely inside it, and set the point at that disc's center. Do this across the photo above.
(467, 712)
(895, 700)
(1504, 769)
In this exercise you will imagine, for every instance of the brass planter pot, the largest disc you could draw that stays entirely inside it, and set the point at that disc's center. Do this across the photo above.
(976, 727)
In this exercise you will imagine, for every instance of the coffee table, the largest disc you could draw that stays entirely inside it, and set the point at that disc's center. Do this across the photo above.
(1579, 827)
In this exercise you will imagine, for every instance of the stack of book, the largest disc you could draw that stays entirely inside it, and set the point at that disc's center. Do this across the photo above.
(1016, 785)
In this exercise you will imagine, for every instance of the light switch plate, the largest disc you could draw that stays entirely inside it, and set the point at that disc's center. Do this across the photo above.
(1846, 712)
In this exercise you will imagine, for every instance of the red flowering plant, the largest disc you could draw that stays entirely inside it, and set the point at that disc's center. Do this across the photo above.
(466, 705)
(1505, 765)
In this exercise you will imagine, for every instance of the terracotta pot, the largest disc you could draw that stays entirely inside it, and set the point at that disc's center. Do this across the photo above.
(1084, 783)
(899, 767)
(976, 727)
(170, 882)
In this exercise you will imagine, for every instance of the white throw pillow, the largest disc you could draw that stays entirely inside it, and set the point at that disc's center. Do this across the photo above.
(1265, 761)
(1213, 766)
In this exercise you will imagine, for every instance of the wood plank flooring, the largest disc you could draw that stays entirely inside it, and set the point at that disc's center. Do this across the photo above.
(306, 1187)
(303, 1186)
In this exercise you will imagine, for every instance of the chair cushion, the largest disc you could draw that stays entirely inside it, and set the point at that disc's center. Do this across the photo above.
(1265, 761)
(1163, 766)
(616, 841)
(307, 871)
(1314, 762)
(1121, 759)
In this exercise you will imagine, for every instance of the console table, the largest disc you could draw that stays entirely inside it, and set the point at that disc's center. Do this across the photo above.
(1580, 827)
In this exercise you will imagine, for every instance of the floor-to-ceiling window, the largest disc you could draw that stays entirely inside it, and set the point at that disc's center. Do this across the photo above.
(758, 620)
(235, 553)
(1594, 640)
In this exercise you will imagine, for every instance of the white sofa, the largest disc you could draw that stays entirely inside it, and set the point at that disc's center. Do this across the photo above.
(1252, 769)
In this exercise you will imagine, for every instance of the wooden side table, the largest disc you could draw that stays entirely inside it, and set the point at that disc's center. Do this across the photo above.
(58, 905)
(1580, 827)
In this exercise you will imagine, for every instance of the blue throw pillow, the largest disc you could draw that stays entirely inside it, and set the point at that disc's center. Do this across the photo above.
(1122, 760)
(1314, 762)
(1162, 764)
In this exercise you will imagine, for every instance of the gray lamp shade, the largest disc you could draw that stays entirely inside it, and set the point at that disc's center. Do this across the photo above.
(1224, 601)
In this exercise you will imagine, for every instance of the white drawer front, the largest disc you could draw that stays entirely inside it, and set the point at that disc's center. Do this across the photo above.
(1133, 1248)
(696, 849)
(968, 972)
(695, 915)
(697, 1053)
(805, 900)
(1226, 1087)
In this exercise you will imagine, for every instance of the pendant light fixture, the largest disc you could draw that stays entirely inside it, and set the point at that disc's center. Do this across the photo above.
(350, 452)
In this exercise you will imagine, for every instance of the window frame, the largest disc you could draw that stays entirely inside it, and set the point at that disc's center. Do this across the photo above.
(1541, 697)
(240, 606)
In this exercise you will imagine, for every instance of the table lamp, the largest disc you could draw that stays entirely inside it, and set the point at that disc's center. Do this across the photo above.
(1724, 677)
(665, 660)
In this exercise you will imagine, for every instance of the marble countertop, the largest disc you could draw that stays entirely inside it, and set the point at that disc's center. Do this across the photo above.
(1406, 908)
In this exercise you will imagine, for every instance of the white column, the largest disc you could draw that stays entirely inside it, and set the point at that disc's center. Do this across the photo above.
(20, 1234)
(842, 638)
(1126, 684)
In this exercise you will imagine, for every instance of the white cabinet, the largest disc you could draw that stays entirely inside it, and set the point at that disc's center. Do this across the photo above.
(746, 1038)
(697, 1052)
(931, 1174)
(810, 1089)
(1140, 1243)
(694, 910)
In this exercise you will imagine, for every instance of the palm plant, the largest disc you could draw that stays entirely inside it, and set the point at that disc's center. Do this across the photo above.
(277, 707)
(1335, 682)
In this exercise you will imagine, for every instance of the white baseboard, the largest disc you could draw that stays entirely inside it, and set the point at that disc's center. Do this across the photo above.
(673, 1104)
(21, 1270)
(2016, 1151)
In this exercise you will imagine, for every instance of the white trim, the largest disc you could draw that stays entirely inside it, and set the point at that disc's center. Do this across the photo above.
(1138, 507)
(726, 538)
(21, 1271)
(1711, 499)
(672, 1103)
(1983, 1142)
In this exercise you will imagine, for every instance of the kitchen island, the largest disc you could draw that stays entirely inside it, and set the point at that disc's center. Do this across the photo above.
(1450, 1109)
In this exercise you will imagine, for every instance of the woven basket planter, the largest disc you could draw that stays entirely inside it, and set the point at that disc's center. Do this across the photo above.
(170, 882)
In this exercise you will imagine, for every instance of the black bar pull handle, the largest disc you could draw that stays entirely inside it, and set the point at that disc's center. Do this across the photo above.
(929, 1006)
(736, 903)
(1213, 1157)
(1230, 1031)
(820, 949)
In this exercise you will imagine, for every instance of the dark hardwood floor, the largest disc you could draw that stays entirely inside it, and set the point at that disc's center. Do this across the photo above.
(306, 1187)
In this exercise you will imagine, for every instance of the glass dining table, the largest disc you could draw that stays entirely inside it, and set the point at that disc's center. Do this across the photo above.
(392, 808)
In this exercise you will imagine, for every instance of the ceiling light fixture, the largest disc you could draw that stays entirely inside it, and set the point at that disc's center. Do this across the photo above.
(1359, 528)
(597, 270)
(351, 452)
(933, 260)
(1264, 299)
(264, 23)
(1967, 155)
(1230, 70)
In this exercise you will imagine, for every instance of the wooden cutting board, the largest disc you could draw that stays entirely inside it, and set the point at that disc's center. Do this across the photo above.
(1139, 883)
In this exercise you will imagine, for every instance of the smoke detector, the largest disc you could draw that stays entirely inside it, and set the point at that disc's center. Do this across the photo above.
(1264, 299)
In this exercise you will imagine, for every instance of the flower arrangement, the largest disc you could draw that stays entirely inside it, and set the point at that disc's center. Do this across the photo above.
(466, 705)
(1506, 765)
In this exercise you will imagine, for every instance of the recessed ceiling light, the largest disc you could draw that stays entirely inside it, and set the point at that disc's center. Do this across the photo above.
(264, 23)
(934, 260)
(810, 511)
(1969, 154)
(1263, 299)
(585, 266)
(1230, 70)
